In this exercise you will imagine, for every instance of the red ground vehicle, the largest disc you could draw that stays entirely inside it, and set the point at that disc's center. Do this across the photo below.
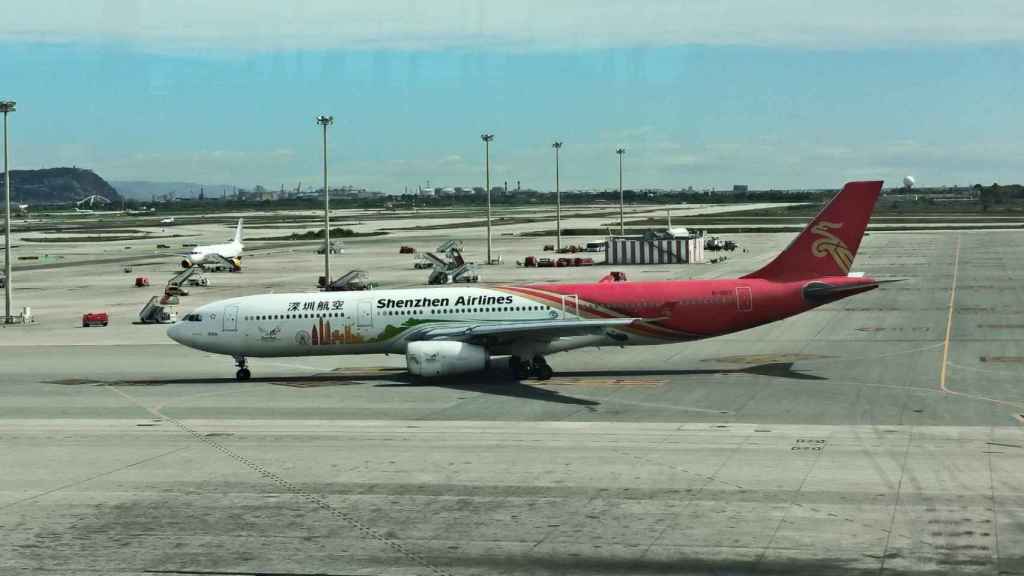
(95, 319)
(583, 261)
(141, 281)
(545, 263)
(406, 250)
(530, 262)
(562, 262)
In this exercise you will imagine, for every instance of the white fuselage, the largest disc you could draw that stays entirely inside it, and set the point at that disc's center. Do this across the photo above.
(228, 250)
(370, 322)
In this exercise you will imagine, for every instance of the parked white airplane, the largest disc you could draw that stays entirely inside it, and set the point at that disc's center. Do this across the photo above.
(230, 251)
(167, 221)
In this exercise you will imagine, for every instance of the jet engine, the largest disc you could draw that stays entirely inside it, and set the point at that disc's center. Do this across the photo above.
(186, 263)
(444, 358)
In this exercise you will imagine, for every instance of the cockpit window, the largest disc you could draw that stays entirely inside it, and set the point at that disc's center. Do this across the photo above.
(194, 318)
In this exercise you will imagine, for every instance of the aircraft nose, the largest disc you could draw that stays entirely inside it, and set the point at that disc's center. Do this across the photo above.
(176, 332)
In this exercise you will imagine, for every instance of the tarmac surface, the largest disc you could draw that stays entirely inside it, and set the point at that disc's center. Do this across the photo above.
(881, 434)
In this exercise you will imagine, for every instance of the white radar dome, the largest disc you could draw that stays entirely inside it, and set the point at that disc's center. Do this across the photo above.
(908, 181)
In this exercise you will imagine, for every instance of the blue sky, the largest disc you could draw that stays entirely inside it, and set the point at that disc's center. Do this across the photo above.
(789, 97)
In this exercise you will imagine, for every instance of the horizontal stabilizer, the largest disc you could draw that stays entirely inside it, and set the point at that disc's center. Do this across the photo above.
(823, 291)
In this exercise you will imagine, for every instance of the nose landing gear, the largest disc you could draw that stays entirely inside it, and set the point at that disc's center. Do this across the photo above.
(243, 370)
(523, 370)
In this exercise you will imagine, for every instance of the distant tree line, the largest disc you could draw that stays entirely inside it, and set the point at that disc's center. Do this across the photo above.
(995, 194)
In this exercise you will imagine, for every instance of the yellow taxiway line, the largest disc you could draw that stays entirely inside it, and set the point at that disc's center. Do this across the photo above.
(949, 319)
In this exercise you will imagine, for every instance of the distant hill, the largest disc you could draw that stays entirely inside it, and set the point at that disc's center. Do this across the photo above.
(58, 186)
(146, 190)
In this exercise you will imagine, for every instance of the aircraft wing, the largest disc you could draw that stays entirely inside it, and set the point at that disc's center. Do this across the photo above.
(539, 329)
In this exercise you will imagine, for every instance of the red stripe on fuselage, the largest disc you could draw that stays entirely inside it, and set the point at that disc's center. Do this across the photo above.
(590, 309)
(689, 309)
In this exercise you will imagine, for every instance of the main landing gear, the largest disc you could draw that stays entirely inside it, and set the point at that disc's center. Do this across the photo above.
(537, 368)
(243, 371)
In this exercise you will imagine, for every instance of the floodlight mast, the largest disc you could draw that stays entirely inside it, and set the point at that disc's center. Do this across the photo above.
(622, 203)
(6, 107)
(558, 201)
(326, 121)
(487, 181)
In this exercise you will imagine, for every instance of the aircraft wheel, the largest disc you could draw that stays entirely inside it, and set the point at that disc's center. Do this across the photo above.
(541, 369)
(243, 374)
(519, 368)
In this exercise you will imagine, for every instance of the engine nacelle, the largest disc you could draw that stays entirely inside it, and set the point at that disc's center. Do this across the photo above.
(186, 263)
(444, 358)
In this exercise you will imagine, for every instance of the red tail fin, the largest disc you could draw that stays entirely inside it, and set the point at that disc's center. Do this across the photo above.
(827, 245)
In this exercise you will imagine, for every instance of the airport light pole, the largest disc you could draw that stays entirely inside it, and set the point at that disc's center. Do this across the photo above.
(326, 121)
(487, 180)
(622, 202)
(558, 201)
(6, 107)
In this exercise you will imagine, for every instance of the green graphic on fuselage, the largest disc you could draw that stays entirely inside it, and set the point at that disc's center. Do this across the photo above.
(391, 331)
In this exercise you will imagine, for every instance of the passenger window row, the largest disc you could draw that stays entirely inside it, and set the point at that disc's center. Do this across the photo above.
(463, 310)
(261, 317)
(295, 316)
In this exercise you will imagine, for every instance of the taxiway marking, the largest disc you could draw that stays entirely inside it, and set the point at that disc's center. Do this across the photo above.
(945, 345)
(949, 319)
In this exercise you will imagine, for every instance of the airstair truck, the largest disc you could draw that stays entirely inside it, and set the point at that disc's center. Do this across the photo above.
(155, 313)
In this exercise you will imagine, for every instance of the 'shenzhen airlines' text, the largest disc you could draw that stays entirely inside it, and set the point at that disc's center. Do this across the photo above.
(442, 302)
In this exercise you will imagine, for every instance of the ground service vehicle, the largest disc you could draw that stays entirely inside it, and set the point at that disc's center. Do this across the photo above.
(95, 319)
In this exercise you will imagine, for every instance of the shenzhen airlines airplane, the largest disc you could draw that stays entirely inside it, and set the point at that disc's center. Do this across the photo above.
(444, 331)
(229, 251)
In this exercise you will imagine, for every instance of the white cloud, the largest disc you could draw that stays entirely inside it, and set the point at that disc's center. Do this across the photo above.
(271, 25)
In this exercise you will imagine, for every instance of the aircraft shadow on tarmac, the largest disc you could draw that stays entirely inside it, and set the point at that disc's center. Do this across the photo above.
(499, 386)
(505, 385)
(295, 381)
(501, 383)
(773, 370)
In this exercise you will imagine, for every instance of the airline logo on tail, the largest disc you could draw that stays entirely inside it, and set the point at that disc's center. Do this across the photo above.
(831, 245)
